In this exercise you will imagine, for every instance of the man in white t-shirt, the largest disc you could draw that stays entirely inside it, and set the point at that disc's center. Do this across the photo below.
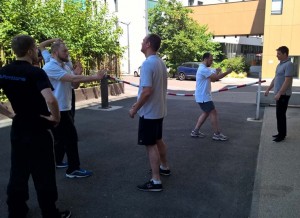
(62, 79)
(205, 75)
(152, 108)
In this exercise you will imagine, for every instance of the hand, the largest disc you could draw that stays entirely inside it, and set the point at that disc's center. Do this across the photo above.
(101, 73)
(277, 96)
(229, 70)
(218, 70)
(52, 119)
(267, 92)
(58, 40)
(78, 68)
(132, 111)
(11, 115)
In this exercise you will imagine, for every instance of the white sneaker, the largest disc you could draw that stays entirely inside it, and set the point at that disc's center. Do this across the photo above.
(197, 134)
(219, 137)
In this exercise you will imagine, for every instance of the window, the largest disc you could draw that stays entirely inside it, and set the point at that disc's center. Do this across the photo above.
(116, 6)
(151, 3)
(276, 7)
(200, 3)
(191, 2)
(296, 63)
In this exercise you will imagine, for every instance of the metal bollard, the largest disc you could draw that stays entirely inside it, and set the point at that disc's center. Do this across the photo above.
(104, 93)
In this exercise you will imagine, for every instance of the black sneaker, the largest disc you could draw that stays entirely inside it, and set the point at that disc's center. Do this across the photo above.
(65, 214)
(277, 135)
(150, 187)
(279, 139)
(62, 165)
(164, 172)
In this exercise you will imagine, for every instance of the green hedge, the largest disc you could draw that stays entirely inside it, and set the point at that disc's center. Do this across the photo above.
(237, 64)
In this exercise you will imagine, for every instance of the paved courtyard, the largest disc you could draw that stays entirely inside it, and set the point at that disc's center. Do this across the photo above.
(210, 179)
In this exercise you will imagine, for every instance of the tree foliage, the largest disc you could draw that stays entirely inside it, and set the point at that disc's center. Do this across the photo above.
(182, 38)
(89, 31)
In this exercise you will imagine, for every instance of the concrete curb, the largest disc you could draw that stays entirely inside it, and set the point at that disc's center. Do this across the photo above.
(276, 192)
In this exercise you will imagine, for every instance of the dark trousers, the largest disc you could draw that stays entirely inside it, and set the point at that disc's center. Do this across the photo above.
(73, 104)
(65, 136)
(281, 108)
(31, 154)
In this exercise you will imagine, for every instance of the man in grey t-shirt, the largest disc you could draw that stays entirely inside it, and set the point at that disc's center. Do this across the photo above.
(151, 107)
(282, 84)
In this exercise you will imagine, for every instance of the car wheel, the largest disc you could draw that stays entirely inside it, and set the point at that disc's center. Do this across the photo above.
(181, 76)
(135, 73)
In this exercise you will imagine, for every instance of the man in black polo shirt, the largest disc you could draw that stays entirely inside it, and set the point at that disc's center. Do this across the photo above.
(35, 112)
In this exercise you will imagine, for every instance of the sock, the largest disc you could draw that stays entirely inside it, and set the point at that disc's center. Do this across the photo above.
(156, 181)
(196, 130)
(163, 168)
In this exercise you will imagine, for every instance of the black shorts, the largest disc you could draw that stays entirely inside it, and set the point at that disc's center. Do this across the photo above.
(207, 106)
(150, 130)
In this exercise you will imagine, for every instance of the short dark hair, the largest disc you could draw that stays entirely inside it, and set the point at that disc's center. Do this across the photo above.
(20, 44)
(206, 55)
(154, 40)
(283, 50)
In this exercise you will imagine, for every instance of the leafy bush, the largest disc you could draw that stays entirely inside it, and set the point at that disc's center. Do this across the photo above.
(3, 97)
(237, 64)
(237, 75)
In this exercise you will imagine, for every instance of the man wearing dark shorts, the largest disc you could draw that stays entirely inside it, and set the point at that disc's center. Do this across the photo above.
(151, 107)
(35, 112)
(205, 75)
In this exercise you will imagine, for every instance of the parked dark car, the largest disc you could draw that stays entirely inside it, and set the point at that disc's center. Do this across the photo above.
(187, 70)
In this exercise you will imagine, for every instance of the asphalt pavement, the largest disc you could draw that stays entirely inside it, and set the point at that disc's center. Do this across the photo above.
(210, 179)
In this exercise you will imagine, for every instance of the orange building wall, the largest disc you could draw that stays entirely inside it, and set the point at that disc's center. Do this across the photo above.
(280, 30)
(230, 19)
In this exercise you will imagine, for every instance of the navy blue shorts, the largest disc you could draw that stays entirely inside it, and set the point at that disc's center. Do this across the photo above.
(150, 130)
(207, 106)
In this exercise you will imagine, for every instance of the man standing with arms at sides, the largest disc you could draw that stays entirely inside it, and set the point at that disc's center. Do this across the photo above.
(151, 107)
(203, 97)
(29, 91)
(65, 134)
(282, 84)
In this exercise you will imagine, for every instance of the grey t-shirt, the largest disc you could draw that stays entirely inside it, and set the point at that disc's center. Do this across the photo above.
(284, 69)
(154, 74)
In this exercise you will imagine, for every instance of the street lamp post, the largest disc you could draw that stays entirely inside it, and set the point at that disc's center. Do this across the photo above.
(146, 17)
(128, 45)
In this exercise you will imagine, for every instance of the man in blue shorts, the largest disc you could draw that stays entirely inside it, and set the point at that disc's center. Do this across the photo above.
(205, 75)
(282, 84)
(151, 107)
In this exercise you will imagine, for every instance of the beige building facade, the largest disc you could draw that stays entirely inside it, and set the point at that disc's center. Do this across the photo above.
(281, 27)
(278, 21)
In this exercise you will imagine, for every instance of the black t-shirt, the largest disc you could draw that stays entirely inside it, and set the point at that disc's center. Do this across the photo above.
(22, 83)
